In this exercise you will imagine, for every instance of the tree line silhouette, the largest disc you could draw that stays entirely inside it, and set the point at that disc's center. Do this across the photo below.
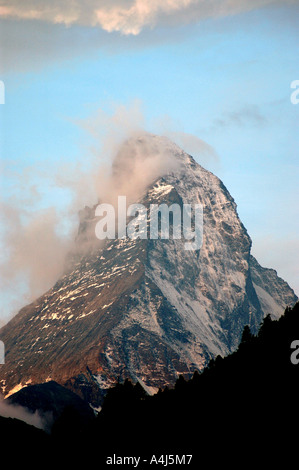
(241, 410)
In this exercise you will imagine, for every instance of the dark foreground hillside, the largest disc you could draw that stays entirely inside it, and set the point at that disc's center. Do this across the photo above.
(242, 410)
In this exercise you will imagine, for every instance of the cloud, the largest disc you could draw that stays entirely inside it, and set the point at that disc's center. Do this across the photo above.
(198, 148)
(128, 17)
(125, 124)
(31, 44)
(34, 254)
(249, 114)
(130, 160)
(140, 14)
(7, 410)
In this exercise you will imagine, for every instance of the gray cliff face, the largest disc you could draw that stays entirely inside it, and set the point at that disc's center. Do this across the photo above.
(146, 309)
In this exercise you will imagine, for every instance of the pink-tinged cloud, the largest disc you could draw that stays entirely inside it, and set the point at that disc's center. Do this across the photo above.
(128, 17)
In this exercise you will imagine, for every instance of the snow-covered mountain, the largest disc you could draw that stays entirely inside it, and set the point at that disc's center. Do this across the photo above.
(145, 309)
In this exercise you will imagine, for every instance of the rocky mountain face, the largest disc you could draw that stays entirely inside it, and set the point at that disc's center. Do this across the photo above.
(147, 309)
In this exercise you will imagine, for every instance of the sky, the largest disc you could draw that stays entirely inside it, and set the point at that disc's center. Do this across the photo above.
(80, 76)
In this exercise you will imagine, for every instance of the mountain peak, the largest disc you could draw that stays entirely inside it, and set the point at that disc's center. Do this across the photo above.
(146, 309)
(148, 154)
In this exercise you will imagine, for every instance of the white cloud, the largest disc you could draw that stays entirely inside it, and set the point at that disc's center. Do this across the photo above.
(141, 13)
(8, 410)
(128, 17)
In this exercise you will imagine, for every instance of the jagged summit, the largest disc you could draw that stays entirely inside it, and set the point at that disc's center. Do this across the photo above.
(145, 146)
(147, 309)
(140, 161)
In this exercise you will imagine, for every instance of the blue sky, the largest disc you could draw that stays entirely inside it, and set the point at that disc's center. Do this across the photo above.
(224, 79)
